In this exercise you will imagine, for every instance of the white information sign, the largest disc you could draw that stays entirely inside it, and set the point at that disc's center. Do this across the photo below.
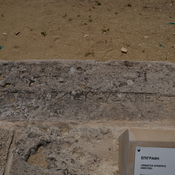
(154, 161)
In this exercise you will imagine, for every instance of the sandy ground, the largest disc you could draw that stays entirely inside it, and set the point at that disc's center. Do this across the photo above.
(87, 29)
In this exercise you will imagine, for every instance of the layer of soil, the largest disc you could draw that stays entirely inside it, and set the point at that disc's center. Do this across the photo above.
(87, 30)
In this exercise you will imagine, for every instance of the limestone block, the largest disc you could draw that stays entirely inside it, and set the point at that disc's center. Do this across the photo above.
(64, 148)
(6, 137)
(133, 138)
(86, 90)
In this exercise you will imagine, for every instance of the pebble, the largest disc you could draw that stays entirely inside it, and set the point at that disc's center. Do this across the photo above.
(17, 33)
(124, 50)
(86, 36)
(4, 34)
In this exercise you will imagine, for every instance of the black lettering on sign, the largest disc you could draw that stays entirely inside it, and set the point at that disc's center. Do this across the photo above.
(149, 158)
(146, 166)
(163, 166)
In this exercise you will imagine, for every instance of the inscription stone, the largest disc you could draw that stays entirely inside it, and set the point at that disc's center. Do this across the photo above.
(86, 90)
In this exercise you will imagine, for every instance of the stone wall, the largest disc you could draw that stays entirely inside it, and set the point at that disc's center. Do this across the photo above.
(64, 117)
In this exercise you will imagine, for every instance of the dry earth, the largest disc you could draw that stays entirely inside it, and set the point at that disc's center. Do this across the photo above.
(87, 29)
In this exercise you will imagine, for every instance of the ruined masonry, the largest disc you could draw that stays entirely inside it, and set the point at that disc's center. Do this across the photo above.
(64, 117)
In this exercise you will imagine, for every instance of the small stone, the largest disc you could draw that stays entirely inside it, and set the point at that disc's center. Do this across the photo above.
(86, 36)
(4, 34)
(146, 37)
(17, 33)
(124, 50)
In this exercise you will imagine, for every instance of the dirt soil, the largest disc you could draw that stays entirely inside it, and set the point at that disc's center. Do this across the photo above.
(87, 30)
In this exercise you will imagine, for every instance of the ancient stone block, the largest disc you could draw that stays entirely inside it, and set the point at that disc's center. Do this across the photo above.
(6, 137)
(86, 90)
(64, 149)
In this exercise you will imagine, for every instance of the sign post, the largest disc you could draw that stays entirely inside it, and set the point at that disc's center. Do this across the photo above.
(147, 152)
(154, 161)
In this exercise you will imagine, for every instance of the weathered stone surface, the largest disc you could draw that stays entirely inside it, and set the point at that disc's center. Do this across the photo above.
(41, 148)
(86, 90)
(65, 149)
(6, 137)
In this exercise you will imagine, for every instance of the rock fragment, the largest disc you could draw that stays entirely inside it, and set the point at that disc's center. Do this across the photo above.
(124, 50)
